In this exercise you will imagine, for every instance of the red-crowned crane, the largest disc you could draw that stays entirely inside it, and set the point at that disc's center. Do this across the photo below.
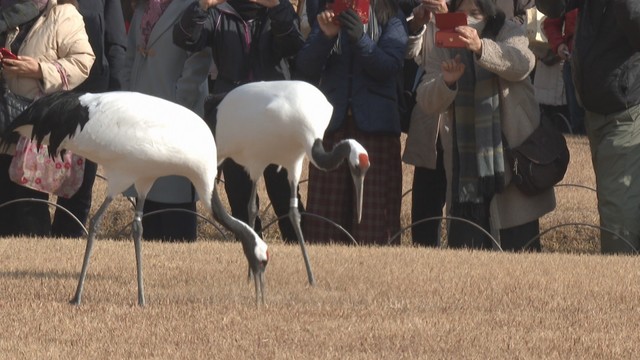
(136, 138)
(279, 122)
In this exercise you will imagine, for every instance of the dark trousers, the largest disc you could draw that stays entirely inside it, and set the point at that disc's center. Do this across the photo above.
(428, 196)
(172, 226)
(238, 185)
(79, 205)
(21, 218)
(464, 235)
(576, 112)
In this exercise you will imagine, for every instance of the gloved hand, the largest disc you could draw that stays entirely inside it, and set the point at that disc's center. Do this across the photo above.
(351, 23)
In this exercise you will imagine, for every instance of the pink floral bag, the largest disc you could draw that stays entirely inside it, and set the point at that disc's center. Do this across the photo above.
(61, 175)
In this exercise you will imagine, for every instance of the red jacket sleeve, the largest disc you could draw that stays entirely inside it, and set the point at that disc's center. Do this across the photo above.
(553, 31)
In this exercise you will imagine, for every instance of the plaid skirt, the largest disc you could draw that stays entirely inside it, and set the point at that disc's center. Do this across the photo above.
(331, 194)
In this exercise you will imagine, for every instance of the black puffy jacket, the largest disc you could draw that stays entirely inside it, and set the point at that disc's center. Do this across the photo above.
(243, 51)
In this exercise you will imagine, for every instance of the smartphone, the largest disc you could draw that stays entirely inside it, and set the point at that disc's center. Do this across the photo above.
(446, 36)
(361, 7)
(6, 53)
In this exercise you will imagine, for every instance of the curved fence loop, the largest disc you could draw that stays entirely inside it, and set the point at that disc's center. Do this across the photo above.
(565, 120)
(581, 224)
(316, 216)
(84, 229)
(495, 242)
(576, 185)
(406, 193)
(215, 225)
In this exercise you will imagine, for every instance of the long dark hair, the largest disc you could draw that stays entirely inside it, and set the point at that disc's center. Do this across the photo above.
(494, 17)
(385, 10)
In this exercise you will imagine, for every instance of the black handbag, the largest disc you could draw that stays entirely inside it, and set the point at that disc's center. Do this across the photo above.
(541, 161)
(11, 105)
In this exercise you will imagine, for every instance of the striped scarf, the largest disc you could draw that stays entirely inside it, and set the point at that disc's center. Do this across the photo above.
(478, 154)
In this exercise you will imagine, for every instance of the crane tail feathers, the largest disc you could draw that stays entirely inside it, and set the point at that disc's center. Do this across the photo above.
(55, 115)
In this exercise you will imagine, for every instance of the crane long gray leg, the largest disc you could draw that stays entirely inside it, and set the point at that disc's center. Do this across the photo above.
(137, 241)
(294, 216)
(252, 212)
(93, 229)
(252, 207)
(258, 281)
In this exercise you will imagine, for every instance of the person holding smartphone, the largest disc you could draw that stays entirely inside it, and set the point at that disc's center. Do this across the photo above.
(54, 54)
(482, 92)
(358, 67)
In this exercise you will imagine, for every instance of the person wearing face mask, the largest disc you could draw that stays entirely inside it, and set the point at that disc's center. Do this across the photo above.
(483, 93)
(423, 148)
(250, 41)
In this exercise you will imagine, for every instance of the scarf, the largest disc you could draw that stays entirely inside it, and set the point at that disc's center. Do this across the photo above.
(478, 168)
(155, 9)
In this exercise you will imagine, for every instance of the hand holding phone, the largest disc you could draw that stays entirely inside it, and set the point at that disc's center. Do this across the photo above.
(361, 7)
(7, 54)
(446, 36)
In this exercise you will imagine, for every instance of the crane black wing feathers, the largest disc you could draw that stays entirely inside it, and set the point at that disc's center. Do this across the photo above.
(57, 115)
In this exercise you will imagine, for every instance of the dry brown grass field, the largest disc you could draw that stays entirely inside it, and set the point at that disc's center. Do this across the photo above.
(567, 302)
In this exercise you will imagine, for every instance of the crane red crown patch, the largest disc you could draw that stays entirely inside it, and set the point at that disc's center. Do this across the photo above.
(364, 160)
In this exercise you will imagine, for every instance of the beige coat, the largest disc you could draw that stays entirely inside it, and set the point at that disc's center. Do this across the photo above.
(510, 58)
(420, 146)
(57, 37)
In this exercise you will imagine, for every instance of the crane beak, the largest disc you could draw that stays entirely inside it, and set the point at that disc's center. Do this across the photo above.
(258, 281)
(358, 181)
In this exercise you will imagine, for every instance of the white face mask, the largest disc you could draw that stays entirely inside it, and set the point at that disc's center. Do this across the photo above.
(475, 23)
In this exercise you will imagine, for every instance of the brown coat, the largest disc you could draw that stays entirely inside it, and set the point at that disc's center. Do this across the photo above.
(510, 58)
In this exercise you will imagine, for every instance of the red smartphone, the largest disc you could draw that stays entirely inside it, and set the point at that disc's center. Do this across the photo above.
(6, 53)
(361, 7)
(446, 36)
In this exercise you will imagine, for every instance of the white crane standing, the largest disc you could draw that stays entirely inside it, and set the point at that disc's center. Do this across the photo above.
(136, 138)
(278, 122)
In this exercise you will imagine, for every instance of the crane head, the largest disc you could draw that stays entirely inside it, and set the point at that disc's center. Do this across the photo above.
(258, 257)
(358, 165)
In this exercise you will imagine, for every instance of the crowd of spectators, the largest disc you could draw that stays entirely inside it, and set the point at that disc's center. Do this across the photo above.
(470, 102)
